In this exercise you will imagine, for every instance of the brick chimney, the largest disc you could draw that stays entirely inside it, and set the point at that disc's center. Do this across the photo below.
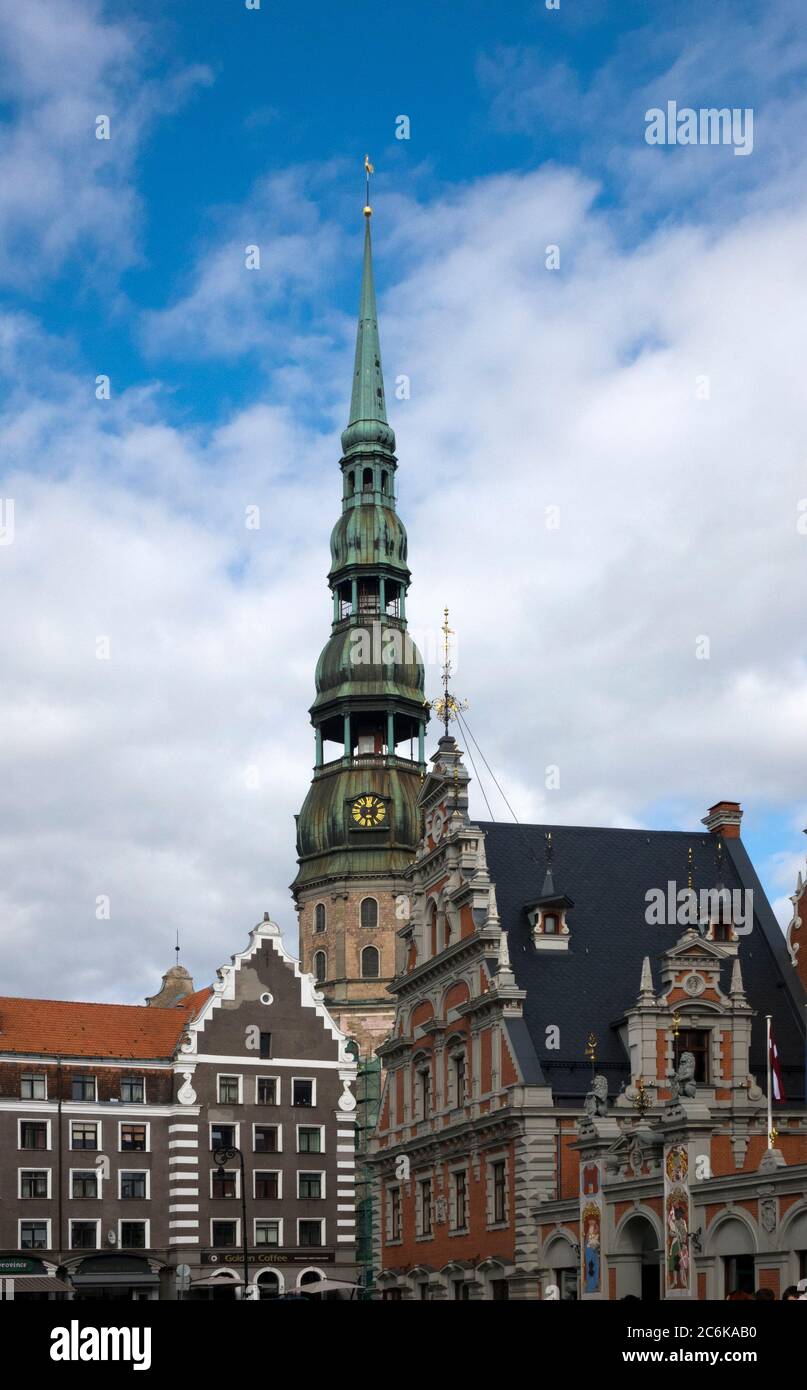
(724, 819)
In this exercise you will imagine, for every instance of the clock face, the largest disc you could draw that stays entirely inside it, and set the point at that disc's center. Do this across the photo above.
(368, 811)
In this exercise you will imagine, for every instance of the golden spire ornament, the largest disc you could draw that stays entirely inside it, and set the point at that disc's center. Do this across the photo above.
(447, 706)
(591, 1050)
(368, 170)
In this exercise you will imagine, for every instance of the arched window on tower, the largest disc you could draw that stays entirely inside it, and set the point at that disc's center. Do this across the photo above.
(369, 912)
(351, 483)
(367, 480)
(370, 963)
(320, 966)
(319, 917)
(383, 480)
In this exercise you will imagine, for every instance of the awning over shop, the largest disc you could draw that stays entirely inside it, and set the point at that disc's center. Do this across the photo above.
(37, 1283)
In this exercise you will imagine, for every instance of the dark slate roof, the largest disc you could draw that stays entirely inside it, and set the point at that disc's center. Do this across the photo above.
(588, 988)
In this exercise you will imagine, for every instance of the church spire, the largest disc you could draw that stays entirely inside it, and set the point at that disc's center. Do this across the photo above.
(367, 426)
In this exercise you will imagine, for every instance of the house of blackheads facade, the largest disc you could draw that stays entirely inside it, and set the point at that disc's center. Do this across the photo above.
(574, 1100)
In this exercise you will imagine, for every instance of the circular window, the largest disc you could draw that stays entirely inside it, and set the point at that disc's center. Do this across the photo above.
(267, 998)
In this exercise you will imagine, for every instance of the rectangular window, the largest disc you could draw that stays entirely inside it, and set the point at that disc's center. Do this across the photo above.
(310, 1232)
(309, 1139)
(461, 1290)
(33, 1086)
(265, 1139)
(267, 1233)
(395, 1213)
(424, 1093)
(224, 1234)
(34, 1182)
(302, 1092)
(310, 1185)
(222, 1137)
(459, 1079)
(266, 1091)
(696, 1041)
(34, 1134)
(133, 1186)
(460, 1201)
(83, 1135)
(266, 1045)
(34, 1235)
(84, 1183)
(83, 1235)
(132, 1137)
(133, 1235)
(223, 1186)
(133, 1090)
(425, 1207)
(267, 1185)
(498, 1172)
(83, 1088)
(229, 1088)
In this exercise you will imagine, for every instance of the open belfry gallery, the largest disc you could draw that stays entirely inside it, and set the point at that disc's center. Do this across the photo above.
(508, 1062)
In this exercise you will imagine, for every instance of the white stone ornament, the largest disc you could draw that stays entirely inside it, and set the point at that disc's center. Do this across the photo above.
(186, 1094)
(347, 1100)
(694, 984)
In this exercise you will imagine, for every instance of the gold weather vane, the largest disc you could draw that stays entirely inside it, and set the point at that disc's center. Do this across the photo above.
(368, 170)
(446, 706)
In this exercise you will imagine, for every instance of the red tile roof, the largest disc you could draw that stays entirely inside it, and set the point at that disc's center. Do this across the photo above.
(59, 1027)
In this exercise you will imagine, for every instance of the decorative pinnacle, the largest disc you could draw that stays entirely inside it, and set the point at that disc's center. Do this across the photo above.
(368, 170)
(591, 1050)
(447, 706)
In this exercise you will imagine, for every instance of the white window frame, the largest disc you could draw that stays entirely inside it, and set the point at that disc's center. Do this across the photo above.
(255, 1173)
(256, 1221)
(147, 1124)
(229, 1172)
(268, 1076)
(313, 1104)
(34, 1220)
(86, 1168)
(322, 1232)
(490, 1160)
(229, 1076)
(92, 1220)
(320, 951)
(319, 1172)
(452, 1199)
(135, 1076)
(99, 1127)
(314, 930)
(391, 1188)
(373, 899)
(43, 1075)
(307, 1152)
(33, 1120)
(236, 1220)
(257, 1124)
(236, 1126)
(420, 1232)
(147, 1172)
(143, 1221)
(29, 1168)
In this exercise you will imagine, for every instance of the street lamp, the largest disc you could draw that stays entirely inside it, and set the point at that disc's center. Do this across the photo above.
(222, 1156)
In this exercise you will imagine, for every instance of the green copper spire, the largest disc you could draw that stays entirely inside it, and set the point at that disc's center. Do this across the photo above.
(367, 429)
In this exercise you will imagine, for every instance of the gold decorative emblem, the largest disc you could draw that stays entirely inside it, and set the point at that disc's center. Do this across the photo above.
(369, 811)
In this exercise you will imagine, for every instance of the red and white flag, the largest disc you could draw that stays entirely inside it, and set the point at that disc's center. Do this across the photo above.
(777, 1085)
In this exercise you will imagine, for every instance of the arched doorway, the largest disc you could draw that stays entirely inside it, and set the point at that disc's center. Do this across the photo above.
(638, 1259)
(564, 1265)
(733, 1243)
(268, 1284)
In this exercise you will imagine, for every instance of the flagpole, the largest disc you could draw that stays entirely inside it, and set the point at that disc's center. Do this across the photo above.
(770, 1108)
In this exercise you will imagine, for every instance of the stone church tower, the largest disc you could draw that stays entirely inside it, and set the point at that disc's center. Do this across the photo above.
(358, 827)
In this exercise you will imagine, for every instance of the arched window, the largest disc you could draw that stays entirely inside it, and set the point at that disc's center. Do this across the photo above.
(310, 1276)
(383, 480)
(320, 966)
(351, 483)
(369, 963)
(319, 917)
(367, 480)
(268, 1283)
(369, 912)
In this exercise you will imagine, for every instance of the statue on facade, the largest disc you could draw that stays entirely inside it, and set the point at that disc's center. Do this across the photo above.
(683, 1083)
(595, 1104)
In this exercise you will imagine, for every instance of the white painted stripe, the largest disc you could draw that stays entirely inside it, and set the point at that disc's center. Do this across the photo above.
(346, 1148)
(346, 1223)
(184, 1192)
(345, 1133)
(183, 1240)
(183, 1177)
(184, 1206)
(345, 1206)
(345, 1163)
(183, 1158)
(189, 1224)
(351, 1240)
(172, 1129)
(183, 1143)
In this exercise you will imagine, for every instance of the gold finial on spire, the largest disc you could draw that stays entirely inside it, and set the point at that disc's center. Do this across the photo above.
(368, 170)
(447, 706)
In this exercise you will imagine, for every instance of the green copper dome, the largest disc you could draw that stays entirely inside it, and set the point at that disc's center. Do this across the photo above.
(325, 843)
(369, 535)
(352, 663)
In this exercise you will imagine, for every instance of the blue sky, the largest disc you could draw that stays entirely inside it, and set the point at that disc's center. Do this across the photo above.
(135, 778)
